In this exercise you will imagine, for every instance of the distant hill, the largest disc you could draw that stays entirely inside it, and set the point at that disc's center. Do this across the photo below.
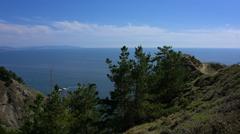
(4, 48)
(210, 104)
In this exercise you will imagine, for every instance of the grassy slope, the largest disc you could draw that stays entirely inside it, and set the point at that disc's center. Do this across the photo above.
(210, 104)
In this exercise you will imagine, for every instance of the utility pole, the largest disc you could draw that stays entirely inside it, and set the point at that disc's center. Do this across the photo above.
(51, 78)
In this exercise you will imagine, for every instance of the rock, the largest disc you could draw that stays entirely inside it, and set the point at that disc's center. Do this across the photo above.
(12, 103)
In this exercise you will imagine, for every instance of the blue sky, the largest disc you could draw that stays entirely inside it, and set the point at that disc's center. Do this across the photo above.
(112, 23)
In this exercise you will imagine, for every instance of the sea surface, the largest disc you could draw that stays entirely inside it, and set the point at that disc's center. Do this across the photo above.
(41, 68)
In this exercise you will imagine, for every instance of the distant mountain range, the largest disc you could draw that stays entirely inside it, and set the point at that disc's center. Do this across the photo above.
(6, 48)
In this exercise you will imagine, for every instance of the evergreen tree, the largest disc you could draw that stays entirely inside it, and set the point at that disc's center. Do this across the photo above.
(169, 74)
(122, 97)
(83, 107)
(140, 75)
(56, 115)
(33, 123)
(47, 117)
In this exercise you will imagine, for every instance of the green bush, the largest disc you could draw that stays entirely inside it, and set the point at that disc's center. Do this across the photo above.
(7, 76)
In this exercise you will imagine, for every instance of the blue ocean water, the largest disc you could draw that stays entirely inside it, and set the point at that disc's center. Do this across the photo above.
(85, 65)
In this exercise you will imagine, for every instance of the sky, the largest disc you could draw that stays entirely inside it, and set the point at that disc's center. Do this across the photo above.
(113, 23)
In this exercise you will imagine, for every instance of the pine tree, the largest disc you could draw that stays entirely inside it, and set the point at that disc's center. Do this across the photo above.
(169, 74)
(48, 116)
(56, 114)
(140, 75)
(122, 97)
(83, 104)
(33, 123)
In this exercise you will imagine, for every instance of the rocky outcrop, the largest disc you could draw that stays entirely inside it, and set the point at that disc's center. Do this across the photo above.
(12, 102)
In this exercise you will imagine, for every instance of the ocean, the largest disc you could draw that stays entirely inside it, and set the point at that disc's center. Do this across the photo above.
(40, 68)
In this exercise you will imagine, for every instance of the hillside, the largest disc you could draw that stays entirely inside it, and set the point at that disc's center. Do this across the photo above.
(210, 104)
(13, 94)
(166, 93)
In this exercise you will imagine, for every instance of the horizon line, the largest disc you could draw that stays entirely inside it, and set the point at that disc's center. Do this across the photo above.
(67, 46)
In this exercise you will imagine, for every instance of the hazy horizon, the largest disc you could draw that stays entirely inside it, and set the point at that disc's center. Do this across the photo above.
(131, 47)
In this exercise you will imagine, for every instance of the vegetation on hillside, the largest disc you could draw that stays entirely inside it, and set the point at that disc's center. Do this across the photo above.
(210, 105)
(172, 87)
(145, 86)
(7, 76)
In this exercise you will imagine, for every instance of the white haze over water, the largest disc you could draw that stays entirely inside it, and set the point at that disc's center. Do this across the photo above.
(75, 33)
